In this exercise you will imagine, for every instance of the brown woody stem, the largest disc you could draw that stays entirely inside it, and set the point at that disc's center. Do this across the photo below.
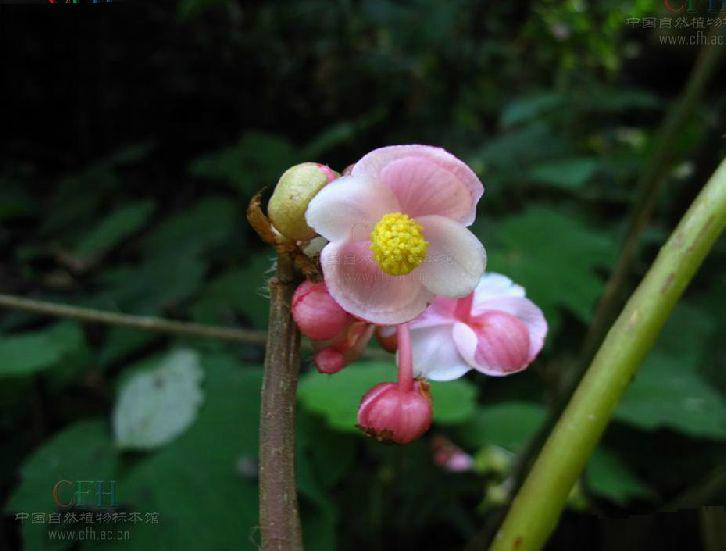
(279, 515)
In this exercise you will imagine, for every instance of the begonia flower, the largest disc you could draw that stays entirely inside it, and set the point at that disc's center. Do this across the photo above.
(396, 227)
(495, 330)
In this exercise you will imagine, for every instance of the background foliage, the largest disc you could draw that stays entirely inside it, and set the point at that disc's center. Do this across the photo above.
(135, 136)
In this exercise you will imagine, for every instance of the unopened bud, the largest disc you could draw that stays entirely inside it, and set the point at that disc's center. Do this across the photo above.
(329, 360)
(503, 342)
(295, 189)
(388, 413)
(316, 313)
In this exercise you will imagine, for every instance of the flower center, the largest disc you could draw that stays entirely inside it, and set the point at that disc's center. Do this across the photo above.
(398, 244)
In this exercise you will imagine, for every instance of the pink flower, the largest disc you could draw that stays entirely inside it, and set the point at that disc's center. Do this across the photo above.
(495, 330)
(396, 227)
(449, 456)
(397, 412)
(338, 337)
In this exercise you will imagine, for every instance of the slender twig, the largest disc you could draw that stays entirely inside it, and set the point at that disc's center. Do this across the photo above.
(537, 507)
(156, 325)
(144, 323)
(279, 516)
(649, 184)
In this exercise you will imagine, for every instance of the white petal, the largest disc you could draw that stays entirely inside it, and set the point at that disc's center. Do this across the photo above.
(493, 285)
(455, 259)
(435, 355)
(349, 207)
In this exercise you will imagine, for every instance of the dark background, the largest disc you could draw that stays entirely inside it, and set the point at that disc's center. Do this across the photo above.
(135, 133)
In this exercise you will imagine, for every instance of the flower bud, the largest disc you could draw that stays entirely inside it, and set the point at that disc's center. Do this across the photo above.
(316, 313)
(502, 341)
(329, 360)
(296, 187)
(449, 456)
(388, 413)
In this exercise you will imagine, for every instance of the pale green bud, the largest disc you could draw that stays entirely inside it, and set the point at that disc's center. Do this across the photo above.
(295, 189)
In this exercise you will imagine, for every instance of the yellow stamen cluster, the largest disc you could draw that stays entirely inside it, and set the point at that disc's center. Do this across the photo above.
(398, 244)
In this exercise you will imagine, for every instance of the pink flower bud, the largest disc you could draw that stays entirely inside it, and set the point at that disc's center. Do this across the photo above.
(330, 174)
(329, 360)
(449, 456)
(388, 413)
(317, 315)
(502, 341)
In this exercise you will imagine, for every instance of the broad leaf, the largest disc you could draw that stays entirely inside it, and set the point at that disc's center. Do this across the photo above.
(114, 228)
(554, 256)
(35, 351)
(81, 452)
(509, 425)
(568, 173)
(204, 478)
(155, 406)
(609, 477)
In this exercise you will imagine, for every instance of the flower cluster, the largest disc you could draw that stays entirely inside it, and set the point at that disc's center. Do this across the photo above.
(398, 260)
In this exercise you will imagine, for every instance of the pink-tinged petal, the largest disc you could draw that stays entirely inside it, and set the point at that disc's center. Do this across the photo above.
(496, 343)
(422, 188)
(349, 207)
(357, 283)
(374, 162)
(435, 355)
(441, 312)
(526, 311)
(493, 285)
(455, 259)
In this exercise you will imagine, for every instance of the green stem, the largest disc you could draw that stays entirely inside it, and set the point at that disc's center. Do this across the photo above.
(648, 187)
(537, 507)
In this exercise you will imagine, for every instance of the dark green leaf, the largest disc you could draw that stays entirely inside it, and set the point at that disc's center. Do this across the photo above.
(114, 229)
(35, 351)
(509, 425)
(554, 256)
(609, 477)
(81, 452)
